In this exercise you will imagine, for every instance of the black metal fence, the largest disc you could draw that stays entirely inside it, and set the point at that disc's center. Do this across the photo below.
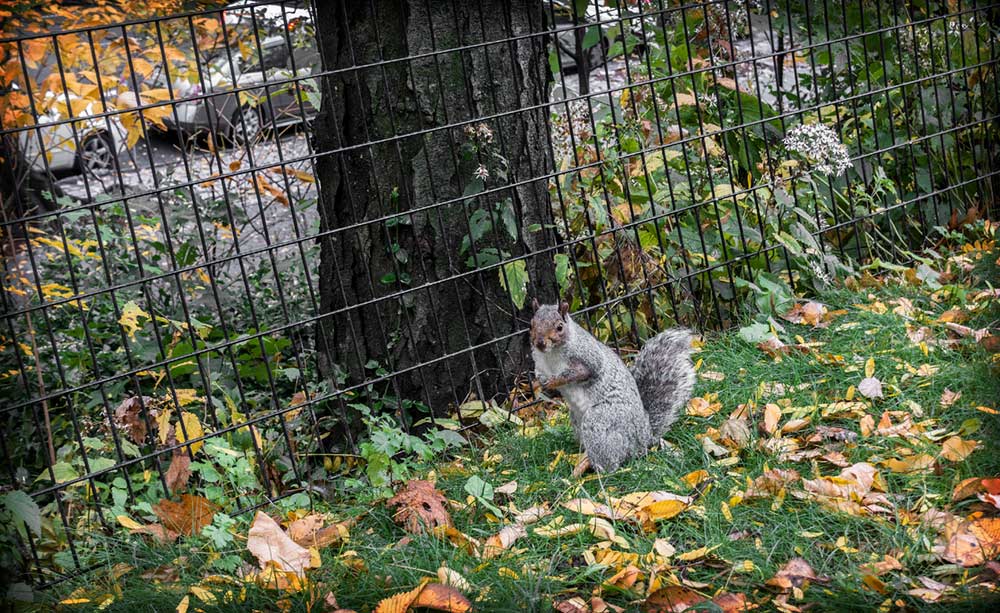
(237, 240)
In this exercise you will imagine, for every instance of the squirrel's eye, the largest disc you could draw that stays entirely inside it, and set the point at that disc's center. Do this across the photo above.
(559, 328)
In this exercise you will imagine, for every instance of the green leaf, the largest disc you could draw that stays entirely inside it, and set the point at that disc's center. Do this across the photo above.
(562, 272)
(24, 510)
(755, 333)
(514, 279)
(479, 488)
(592, 37)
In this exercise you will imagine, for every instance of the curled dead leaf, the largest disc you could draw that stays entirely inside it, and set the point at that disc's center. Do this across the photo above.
(672, 599)
(420, 507)
(272, 547)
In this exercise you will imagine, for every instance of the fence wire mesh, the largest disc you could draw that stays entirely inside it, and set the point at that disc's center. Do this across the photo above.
(236, 236)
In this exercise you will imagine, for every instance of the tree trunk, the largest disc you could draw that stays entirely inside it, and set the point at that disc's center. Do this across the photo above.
(397, 285)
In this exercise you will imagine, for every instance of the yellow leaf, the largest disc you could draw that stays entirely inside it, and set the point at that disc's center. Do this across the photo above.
(695, 554)
(663, 509)
(129, 319)
(202, 594)
(870, 367)
(191, 429)
(695, 477)
(182, 606)
(128, 522)
(186, 396)
(163, 424)
(772, 414)
(956, 449)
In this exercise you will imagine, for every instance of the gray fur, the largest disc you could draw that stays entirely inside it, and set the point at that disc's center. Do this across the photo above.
(611, 410)
(665, 376)
(606, 410)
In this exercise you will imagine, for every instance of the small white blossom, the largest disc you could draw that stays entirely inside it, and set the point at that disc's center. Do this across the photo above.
(482, 172)
(820, 146)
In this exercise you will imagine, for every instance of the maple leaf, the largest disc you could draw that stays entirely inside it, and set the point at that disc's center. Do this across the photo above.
(179, 471)
(421, 507)
(436, 596)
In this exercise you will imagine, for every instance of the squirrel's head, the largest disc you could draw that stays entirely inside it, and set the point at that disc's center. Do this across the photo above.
(550, 325)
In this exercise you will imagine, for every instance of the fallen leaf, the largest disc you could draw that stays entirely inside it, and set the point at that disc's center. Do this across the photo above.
(436, 596)
(956, 449)
(810, 314)
(870, 387)
(507, 489)
(949, 397)
(625, 578)
(911, 464)
(309, 531)
(795, 574)
(449, 576)
(695, 477)
(733, 603)
(533, 514)
(702, 406)
(696, 554)
(772, 415)
(886, 564)
(735, 433)
(502, 541)
(771, 482)
(179, 471)
(663, 547)
(573, 605)
(671, 599)
(421, 507)
(186, 517)
(270, 545)
(663, 509)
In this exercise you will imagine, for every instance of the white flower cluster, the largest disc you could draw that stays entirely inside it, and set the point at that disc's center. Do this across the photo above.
(480, 131)
(820, 146)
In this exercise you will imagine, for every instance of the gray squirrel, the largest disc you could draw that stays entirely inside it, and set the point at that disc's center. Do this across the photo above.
(616, 414)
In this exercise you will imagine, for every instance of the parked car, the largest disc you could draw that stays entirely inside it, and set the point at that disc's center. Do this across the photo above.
(94, 147)
(271, 17)
(241, 116)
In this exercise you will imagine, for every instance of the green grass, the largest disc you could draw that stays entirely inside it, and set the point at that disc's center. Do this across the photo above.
(540, 570)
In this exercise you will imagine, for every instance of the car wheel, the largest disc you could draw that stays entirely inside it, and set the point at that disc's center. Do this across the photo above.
(96, 154)
(246, 125)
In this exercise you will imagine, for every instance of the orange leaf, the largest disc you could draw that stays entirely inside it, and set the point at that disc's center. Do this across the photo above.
(186, 517)
(772, 414)
(956, 449)
(420, 507)
(672, 599)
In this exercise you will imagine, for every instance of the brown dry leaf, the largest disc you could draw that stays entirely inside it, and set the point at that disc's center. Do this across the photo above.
(771, 482)
(459, 539)
(956, 449)
(874, 583)
(775, 348)
(309, 531)
(733, 603)
(441, 597)
(949, 397)
(626, 577)
(158, 532)
(911, 464)
(967, 488)
(671, 599)
(507, 489)
(886, 564)
(795, 574)
(586, 506)
(735, 433)
(573, 605)
(772, 415)
(128, 418)
(272, 547)
(448, 576)
(953, 316)
(809, 314)
(533, 514)
(704, 406)
(421, 507)
(712, 375)
(400, 603)
(503, 540)
(179, 471)
(186, 517)
(970, 543)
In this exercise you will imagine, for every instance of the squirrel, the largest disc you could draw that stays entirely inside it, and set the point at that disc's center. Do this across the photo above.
(616, 414)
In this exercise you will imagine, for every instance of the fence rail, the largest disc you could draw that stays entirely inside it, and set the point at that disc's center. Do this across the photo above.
(238, 240)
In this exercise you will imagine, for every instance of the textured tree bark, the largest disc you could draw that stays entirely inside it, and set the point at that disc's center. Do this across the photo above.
(398, 288)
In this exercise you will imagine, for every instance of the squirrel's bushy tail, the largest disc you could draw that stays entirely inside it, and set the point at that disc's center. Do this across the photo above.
(665, 377)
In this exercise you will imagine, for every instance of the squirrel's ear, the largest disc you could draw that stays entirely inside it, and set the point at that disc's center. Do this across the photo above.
(563, 309)
(534, 305)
